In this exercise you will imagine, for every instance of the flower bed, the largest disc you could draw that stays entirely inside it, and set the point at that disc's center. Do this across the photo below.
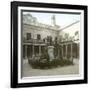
(44, 63)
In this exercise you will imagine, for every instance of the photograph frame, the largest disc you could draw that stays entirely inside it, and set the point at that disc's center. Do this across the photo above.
(14, 43)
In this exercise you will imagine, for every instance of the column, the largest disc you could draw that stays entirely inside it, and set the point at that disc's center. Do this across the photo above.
(71, 52)
(62, 51)
(25, 51)
(66, 51)
(33, 50)
(39, 50)
(58, 51)
(77, 51)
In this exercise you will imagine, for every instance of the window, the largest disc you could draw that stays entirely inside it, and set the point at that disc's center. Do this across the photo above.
(38, 36)
(28, 36)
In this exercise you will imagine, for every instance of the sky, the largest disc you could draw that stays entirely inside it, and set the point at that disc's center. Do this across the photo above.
(61, 19)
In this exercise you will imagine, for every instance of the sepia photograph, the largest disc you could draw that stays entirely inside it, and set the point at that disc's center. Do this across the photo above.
(48, 44)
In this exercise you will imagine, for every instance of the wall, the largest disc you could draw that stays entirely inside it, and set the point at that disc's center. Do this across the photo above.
(44, 32)
(5, 47)
(71, 29)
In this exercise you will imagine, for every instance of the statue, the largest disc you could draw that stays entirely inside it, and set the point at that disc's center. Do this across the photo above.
(51, 52)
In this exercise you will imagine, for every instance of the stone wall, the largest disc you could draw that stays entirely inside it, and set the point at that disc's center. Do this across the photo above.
(34, 30)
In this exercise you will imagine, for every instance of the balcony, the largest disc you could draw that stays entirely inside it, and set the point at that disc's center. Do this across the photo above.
(39, 42)
(33, 41)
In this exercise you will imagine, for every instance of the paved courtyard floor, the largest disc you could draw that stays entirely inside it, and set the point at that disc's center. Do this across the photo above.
(28, 71)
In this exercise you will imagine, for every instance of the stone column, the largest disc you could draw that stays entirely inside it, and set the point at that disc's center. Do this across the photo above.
(71, 52)
(33, 50)
(25, 51)
(66, 51)
(77, 51)
(62, 51)
(39, 50)
(58, 52)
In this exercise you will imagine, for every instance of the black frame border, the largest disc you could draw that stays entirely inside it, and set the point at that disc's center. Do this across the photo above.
(14, 43)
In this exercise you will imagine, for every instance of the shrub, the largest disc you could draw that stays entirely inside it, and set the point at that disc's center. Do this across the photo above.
(45, 63)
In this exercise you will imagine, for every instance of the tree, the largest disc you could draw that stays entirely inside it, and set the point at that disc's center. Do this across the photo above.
(76, 35)
(66, 36)
(60, 38)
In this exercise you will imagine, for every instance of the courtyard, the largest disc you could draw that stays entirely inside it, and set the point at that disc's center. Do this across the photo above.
(28, 71)
(49, 45)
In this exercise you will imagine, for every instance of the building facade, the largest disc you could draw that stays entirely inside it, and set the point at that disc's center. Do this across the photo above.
(37, 37)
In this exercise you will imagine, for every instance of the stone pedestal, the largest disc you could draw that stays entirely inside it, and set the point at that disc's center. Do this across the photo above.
(51, 52)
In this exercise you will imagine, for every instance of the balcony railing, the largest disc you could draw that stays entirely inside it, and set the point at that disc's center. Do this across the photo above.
(33, 41)
(36, 41)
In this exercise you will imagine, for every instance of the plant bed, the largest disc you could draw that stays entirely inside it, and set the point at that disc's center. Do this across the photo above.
(45, 64)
